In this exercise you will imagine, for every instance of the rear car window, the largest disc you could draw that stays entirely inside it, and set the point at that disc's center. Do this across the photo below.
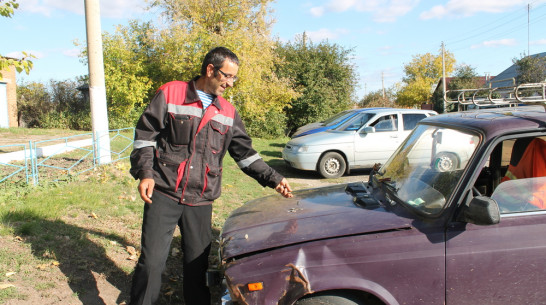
(411, 120)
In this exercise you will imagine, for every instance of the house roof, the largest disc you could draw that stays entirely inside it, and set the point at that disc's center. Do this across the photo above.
(482, 80)
(505, 78)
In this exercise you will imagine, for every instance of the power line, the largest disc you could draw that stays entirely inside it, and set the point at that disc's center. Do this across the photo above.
(519, 27)
(485, 31)
(495, 26)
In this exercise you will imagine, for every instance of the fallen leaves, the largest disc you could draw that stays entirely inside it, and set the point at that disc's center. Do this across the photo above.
(132, 252)
(6, 286)
(46, 266)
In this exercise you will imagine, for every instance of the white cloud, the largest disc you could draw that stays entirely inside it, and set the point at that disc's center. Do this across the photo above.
(317, 11)
(74, 52)
(383, 11)
(466, 8)
(539, 42)
(20, 55)
(108, 9)
(495, 43)
(324, 34)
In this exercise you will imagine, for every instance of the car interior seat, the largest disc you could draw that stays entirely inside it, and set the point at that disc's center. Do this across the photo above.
(528, 159)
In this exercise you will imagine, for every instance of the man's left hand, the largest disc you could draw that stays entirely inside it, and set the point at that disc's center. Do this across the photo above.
(284, 188)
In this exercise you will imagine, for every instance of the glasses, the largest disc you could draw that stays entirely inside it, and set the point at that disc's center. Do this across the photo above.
(229, 77)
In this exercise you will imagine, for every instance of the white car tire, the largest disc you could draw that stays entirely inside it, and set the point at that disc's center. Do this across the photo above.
(332, 165)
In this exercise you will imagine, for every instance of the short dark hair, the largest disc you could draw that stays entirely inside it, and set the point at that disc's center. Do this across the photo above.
(216, 57)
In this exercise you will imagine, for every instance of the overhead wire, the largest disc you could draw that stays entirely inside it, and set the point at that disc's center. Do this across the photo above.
(492, 27)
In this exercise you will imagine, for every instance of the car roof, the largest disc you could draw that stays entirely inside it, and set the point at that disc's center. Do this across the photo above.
(492, 122)
(388, 109)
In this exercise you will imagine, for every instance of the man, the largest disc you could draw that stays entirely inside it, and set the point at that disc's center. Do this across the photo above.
(180, 142)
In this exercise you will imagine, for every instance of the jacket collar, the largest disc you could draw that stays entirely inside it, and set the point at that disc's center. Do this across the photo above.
(193, 97)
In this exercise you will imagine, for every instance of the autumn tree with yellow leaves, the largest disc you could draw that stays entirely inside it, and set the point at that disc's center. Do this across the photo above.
(143, 55)
(421, 74)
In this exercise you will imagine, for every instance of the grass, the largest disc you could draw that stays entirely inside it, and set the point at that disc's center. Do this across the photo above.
(65, 232)
(20, 132)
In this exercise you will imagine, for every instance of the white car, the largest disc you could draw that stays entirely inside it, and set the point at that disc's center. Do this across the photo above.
(368, 138)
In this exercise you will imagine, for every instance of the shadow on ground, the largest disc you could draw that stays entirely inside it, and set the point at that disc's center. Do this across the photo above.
(79, 258)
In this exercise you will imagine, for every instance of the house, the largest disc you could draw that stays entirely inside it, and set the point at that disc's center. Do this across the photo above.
(8, 98)
(437, 100)
(508, 77)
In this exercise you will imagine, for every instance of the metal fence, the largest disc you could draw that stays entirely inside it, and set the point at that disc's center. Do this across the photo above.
(53, 159)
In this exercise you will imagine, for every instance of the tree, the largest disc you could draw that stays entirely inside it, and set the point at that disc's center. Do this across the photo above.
(127, 72)
(142, 57)
(24, 64)
(376, 99)
(58, 105)
(33, 101)
(530, 69)
(420, 76)
(322, 74)
(465, 77)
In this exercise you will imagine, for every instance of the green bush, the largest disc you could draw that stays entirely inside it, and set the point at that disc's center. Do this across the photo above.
(272, 127)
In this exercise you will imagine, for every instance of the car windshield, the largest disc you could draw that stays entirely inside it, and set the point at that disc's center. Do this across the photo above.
(425, 169)
(337, 118)
(356, 122)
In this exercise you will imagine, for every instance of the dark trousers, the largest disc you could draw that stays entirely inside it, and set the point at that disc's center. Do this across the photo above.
(158, 225)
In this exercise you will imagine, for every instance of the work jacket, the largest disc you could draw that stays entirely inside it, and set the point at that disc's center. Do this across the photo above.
(181, 146)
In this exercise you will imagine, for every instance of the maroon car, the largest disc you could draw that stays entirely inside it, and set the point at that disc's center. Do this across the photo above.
(456, 216)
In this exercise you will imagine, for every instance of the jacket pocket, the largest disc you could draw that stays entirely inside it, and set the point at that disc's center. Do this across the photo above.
(180, 129)
(170, 173)
(217, 136)
(212, 183)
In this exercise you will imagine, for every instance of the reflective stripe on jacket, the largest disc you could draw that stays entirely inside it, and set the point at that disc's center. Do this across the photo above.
(181, 146)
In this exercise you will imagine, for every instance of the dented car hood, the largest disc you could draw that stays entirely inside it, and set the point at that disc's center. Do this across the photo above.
(311, 214)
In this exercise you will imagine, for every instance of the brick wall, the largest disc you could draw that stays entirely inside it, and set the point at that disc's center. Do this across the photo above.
(8, 77)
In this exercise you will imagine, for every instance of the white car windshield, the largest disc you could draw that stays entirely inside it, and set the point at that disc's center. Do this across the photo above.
(425, 169)
(357, 122)
(337, 118)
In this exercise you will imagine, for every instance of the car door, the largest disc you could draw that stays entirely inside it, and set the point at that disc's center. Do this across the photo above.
(377, 147)
(504, 263)
(497, 264)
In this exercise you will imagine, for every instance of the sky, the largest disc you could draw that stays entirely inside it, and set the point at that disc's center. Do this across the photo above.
(383, 35)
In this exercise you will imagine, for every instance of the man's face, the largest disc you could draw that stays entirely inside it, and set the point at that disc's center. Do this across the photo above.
(224, 78)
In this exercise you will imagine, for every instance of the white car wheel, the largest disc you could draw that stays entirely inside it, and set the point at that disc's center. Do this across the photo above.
(332, 165)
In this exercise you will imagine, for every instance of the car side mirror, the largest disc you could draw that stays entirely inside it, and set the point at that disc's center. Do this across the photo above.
(368, 129)
(481, 210)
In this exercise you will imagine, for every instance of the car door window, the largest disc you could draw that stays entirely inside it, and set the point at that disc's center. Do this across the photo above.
(386, 123)
(515, 175)
(411, 119)
(523, 186)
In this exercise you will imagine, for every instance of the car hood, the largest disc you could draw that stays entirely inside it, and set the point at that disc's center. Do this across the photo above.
(306, 128)
(312, 214)
(326, 137)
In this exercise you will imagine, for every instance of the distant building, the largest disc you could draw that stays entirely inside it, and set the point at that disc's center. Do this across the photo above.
(507, 77)
(8, 98)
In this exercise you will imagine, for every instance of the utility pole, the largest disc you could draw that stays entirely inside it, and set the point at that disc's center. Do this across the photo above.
(528, 28)
(97, 88)
(444, 75)
(383, 83)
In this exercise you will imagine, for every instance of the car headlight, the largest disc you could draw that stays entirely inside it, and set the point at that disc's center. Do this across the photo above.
(301, 149)
(296, 148)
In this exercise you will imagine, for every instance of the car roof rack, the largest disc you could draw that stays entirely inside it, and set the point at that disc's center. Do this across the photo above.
(511, 95)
